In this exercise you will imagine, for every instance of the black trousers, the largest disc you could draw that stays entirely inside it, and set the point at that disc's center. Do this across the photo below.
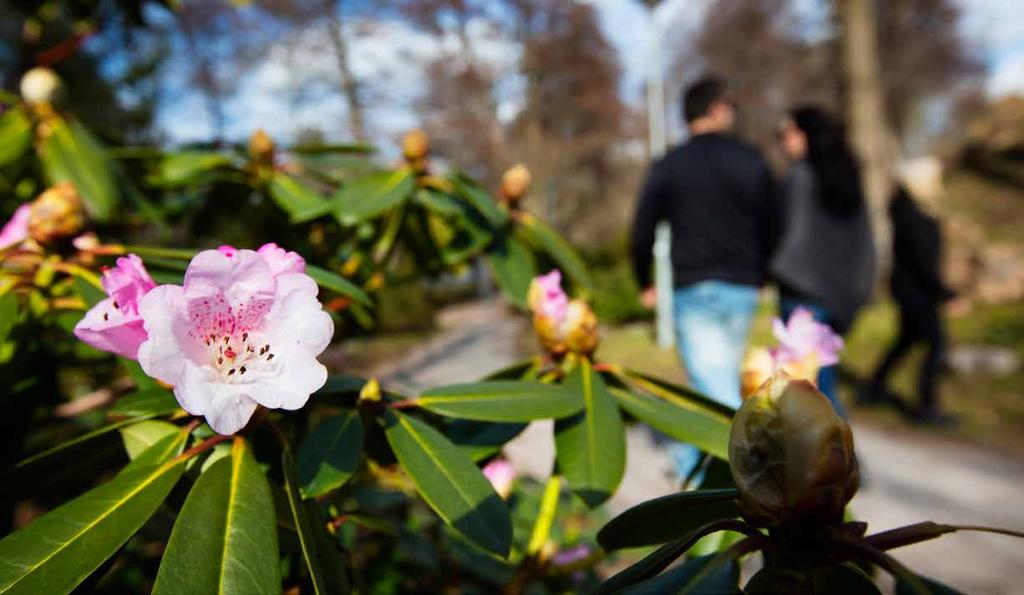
(920, 322)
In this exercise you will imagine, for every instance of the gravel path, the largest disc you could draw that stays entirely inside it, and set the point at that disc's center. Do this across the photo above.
(906, 477)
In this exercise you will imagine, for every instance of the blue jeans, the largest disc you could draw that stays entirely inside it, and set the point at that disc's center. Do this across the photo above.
(712, 320)
(828, 377)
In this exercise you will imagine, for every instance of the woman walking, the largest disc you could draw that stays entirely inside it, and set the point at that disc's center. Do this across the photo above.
(825, 260)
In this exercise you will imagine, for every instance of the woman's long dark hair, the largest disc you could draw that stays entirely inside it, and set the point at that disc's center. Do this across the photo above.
(833, 162)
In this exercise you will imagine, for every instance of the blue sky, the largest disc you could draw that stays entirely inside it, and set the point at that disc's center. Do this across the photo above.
(393, 53)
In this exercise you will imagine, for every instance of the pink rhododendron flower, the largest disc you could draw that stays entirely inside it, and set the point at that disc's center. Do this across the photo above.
(15, 231)
(501, 474)
(802, 336)
(547, 298)
(235, 336)
(281, 261)
(114, 324)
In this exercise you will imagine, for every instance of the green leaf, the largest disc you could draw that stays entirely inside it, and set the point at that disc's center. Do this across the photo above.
(151, 403)
(299, 201)
(327, 575)
(140, 436)
(707, 432)
(677, 393)
(330, 454)
(591, 446)
(555, 246)
(337, 284)
(371, 195)
(723, 580)
(89, 293)
(439, 202)
(57, 551)
(8, 314)
(502, 400)
(185, 167)
(513, 267)
(70, 153)
(162, 451)
(450, 483)
(225, 538)
(649, 566)
(666, 518)
(15, 135)
(480, 439)
(482, 200)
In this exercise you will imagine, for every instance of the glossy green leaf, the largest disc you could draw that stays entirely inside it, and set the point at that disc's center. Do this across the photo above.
(513, 267)
(57, 551)
(706, 431)
(450, 483)
(647, 567)
(482, 200)
(225, 538)
(162, 451)
(439, 202)
(591, 446)
(371, 195)
(337, 284)
(723, 580)
(151, 402)
(140, 436)
(187, 166)
(15, 134)
(298, 200)
(327, 575)
(71, 154)
(481, 439)
(666, 518)
(502, 400)
(555, 246)
(679, 394)
(330, 454)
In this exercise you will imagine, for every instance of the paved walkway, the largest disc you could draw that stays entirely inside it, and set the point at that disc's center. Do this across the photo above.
(907, 478)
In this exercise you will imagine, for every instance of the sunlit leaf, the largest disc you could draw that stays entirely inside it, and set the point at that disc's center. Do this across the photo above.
(555, 246)
(591, 445)
(707, 432)
(502, 401)
(57, 551)
(370, 196)
(225, 538)
(450, 483)
(70, 153)
(187, 166)
(15, 134)
(298, 200)
(513, 267)
(337, 284)
(151, 403)
(140, 436)
(330, 454)
(482, 200)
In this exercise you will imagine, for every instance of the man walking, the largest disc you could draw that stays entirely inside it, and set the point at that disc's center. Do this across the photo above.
(717, 195)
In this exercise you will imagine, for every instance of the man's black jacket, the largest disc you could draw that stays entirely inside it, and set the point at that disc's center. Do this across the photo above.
(719, 198)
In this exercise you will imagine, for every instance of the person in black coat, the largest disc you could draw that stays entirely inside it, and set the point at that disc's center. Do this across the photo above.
(919, 291)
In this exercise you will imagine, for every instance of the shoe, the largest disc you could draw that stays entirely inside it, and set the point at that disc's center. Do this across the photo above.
(933, 418)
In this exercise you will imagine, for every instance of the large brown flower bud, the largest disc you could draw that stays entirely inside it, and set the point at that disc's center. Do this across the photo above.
(56, 214)
(791, 456)
(514, 183)
(261, 147)
(580, 328)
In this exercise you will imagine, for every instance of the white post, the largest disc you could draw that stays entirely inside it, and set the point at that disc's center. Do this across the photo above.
(657, 137)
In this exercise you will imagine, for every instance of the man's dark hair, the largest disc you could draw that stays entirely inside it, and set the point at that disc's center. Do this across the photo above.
(701, 95)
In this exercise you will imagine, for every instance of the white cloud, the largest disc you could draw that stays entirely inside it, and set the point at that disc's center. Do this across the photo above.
(1007, 76)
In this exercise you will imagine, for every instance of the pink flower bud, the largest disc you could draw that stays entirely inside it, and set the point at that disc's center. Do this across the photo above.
(502, 475)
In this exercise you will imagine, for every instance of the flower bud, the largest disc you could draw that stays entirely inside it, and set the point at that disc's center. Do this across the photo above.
(415, 145)
(502, 475)
(261, 147)
(758, 366)
(56, 214)
(580, 328)
(40, 85)
(791, 456)
(514, 183)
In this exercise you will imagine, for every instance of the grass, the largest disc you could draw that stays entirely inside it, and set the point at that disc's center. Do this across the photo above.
(990, 408)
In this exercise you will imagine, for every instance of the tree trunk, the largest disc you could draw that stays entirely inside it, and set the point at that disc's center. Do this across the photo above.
(349, 85)
(865, 107)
